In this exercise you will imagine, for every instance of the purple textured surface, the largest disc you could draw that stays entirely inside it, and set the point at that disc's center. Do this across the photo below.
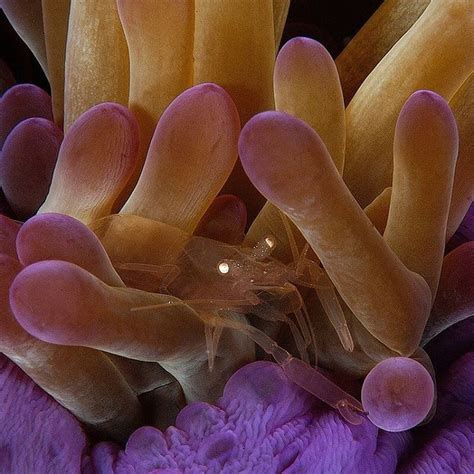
(262, 423)
(36, 433)
(446, 443)
(27, 163)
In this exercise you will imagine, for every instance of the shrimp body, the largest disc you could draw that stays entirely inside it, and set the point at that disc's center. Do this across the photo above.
(218, 276)
(244, 280)
(230, 272)
(223, 283)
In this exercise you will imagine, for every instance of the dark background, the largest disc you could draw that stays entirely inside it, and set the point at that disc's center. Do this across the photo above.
(332, 22)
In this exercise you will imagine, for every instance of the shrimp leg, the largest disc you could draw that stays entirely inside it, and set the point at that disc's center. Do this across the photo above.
(212, 334)
(332, 307)
(316, 383)
(302, 262)
(302, 374)
(268, 313)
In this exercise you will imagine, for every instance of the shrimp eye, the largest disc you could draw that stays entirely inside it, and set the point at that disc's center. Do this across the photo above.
(263, 248)
(270, 241)
(223, 267)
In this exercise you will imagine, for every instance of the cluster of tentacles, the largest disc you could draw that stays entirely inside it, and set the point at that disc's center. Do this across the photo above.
(135, 270)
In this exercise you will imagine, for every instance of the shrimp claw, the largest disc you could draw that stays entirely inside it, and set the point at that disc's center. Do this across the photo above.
(302, 374)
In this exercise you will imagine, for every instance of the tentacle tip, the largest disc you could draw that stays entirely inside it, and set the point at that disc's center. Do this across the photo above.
(398, 394)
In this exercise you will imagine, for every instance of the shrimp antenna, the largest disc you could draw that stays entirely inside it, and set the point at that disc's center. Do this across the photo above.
(160, 276)
(302, 316)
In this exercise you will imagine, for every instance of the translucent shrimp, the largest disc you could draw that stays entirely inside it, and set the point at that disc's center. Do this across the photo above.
(223, 282)
(213, 277)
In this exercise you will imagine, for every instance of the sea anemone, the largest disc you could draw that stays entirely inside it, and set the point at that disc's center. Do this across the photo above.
(135, 293)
